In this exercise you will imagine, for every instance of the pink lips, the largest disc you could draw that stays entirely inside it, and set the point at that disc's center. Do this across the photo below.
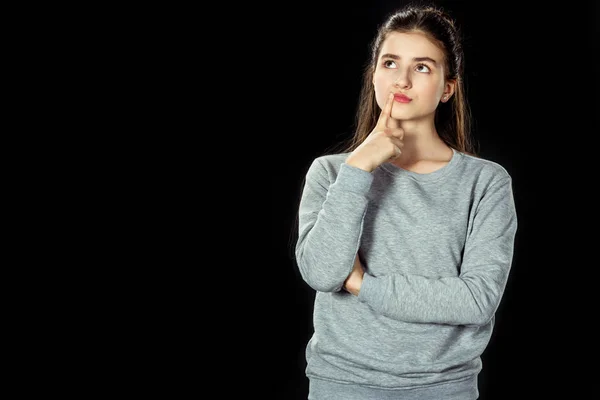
(402, 98)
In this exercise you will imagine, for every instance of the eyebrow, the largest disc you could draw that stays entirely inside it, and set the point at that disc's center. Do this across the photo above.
(395, 57)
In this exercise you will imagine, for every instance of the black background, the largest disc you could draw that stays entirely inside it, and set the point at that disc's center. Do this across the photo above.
(531, 80)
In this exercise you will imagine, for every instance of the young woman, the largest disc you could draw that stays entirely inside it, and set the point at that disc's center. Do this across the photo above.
(406, 236)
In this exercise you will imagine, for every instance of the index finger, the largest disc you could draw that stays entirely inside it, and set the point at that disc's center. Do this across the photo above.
(386, 112)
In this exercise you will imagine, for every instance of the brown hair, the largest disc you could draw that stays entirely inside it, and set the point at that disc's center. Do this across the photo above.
(453, 118)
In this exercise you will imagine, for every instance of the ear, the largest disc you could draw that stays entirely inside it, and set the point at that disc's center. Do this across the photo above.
(449, 88)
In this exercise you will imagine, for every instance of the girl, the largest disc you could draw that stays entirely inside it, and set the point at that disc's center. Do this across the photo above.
(406, 235)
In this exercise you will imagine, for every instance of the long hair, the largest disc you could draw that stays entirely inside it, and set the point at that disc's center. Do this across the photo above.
(453, 118)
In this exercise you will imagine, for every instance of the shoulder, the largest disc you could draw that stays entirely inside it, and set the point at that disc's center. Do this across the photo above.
(485, 169)
(327, 165)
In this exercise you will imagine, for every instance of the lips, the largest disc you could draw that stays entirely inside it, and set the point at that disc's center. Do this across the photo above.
(399, 97)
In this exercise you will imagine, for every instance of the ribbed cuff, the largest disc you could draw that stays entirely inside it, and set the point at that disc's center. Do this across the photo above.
(353, 179)
(371, 292)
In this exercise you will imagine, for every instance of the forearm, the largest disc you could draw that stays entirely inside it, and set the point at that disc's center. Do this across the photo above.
(465, 300)
(330, 233)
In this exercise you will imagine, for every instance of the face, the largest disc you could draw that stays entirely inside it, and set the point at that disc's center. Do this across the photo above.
(410, 64)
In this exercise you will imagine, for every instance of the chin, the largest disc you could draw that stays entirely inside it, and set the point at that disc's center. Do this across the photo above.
(404, 115)
(407, 115)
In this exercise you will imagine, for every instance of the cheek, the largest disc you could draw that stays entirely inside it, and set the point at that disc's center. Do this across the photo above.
(437, 90)
(431, 91)
(382, 89)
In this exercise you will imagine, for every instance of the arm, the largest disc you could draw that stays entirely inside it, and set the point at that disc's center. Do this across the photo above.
(330, 220)
(473, 297)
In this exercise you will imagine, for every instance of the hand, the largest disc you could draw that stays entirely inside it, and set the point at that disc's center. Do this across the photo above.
(384, 143)
(355, 279)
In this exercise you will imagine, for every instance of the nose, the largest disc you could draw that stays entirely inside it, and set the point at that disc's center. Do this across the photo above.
(402, 80)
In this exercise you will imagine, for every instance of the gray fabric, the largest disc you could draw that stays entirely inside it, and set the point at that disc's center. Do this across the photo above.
(437, 250)
(459, 390)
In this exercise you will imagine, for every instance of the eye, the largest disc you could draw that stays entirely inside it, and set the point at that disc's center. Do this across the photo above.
(386, 64)
(421, 66)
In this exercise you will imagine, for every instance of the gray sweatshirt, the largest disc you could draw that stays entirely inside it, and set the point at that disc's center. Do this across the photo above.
(437, 250)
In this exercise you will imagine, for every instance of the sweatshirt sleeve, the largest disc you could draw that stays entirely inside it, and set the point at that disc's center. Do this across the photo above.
(330, 222)
(472, 297)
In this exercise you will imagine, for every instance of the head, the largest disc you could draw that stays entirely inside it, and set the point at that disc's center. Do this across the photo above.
(417, 51)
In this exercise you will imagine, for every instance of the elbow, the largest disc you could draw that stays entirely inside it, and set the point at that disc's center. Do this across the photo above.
(325, 286)
(484, 299)
(320, 282)
(482, 320)
(320, 275)
(321, 278)
(481, 317)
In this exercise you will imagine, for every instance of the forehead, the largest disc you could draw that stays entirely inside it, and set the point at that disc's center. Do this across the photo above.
(413, 44)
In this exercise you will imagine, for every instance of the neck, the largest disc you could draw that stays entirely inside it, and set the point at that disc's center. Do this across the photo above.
(421, 142)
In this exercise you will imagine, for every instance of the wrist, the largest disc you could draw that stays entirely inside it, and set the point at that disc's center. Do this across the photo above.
(353, 162)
